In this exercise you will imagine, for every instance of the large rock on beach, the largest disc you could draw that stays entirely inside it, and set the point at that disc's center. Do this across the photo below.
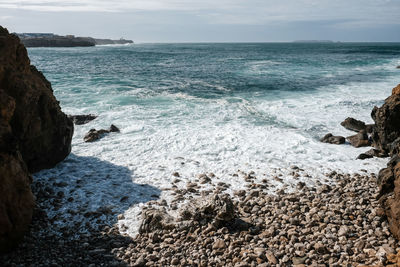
(217, 209)
(34, 134)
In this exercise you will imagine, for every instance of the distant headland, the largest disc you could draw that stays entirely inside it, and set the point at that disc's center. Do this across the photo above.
(54, 40)
(313, 41)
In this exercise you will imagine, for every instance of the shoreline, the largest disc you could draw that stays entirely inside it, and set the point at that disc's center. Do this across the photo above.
(292, 220)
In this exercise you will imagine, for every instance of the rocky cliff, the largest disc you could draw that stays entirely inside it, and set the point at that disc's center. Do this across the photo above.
(386, 137)
(34, 134)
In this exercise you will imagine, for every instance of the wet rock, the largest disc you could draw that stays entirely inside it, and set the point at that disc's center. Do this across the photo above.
(82, 119)
(372, 153)
(353, 125)
(94, 135)
(359, 140)
(329, 138)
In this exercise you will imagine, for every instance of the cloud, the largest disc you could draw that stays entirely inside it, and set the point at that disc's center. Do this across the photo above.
(5, 17)
(359, 13)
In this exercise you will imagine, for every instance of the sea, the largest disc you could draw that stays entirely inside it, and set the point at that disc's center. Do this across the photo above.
(223, 109)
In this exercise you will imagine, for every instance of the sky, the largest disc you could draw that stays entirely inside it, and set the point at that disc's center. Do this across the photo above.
(208, 20)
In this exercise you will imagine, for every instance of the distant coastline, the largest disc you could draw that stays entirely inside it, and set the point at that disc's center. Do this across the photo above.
(313, 41)
(54, 40)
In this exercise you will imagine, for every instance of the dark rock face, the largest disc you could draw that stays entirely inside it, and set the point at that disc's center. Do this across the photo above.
(94, 135)
(359, 140)
(82, 119)
(372, 153)
(34, 134)
(329, 138)
(353, 124)
(387, 123)
(386, 137)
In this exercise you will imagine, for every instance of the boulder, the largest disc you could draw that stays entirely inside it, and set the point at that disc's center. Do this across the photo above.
(34, 134)
(217, 209)
(94, 135)
(372, 153)
(156, 219)
(359, 140)
(353, 124)
(329, 138)
(82, 119)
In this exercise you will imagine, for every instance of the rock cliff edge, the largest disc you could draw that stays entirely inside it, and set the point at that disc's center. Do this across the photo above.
(34, 134)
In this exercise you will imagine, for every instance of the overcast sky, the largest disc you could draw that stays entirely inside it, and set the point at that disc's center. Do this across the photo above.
(208, 20)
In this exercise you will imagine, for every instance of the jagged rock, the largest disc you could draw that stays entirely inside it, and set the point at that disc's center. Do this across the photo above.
(359, 140)
(372, 153)
(216, 209)
(156, 219)
(94, 134)
(353, 124)
(82, 119)
(396, 90)
(329, 138)
(34, 134)
(387, 123)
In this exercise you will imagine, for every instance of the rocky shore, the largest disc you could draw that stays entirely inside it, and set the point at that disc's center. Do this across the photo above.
(344, 220)
(335, 224)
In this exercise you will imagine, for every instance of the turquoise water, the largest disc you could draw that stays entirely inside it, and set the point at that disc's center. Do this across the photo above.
(220, 108)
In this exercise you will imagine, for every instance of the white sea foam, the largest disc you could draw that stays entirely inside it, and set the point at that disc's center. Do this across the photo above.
(166, 128)
(220, 136)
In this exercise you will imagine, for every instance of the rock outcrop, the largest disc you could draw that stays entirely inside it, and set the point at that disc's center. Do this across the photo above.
(34, 134)
(329, 138)
(386, 137)
(94, 135)
(82, 119)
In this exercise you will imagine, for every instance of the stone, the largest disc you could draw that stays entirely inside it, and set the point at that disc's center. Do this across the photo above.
(94, 135)
(359, 140)
(329, 138)
(343, 230)
(372, 153)
(34, 135)
(217, 209)
(320, 248)
(271, 258)
(82, 119)
(219, 244)
(353, 124)
(156, 219)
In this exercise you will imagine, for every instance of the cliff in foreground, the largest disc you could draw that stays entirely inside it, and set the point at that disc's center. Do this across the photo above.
(34, 134)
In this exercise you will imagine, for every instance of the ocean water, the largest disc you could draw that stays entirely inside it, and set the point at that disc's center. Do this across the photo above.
(201, 108)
